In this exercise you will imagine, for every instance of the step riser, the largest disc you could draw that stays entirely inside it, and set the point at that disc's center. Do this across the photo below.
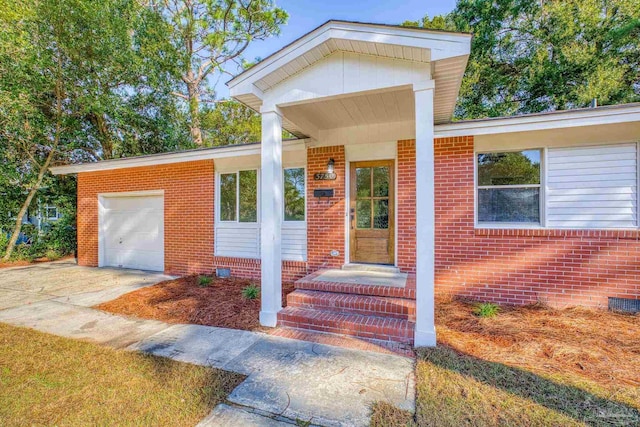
(363, 327)
(401, 309)
(344, 288)
(369, 335)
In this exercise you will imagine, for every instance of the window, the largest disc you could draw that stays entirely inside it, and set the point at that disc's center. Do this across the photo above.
(239, 196)
(294, 194)
(51, 212)
(509, 187)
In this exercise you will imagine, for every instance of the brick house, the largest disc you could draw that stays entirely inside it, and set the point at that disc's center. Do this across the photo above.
(511, 210)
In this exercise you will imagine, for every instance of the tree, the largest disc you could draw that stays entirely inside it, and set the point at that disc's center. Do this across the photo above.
(70, 72)
(230, 123)
(211, 35)
(538, 56)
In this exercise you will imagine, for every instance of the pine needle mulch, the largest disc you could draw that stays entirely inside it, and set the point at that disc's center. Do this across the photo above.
(528, 366)
(220, 303)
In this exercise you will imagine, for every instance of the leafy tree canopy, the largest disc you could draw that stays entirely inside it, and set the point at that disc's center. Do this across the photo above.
(531, 56)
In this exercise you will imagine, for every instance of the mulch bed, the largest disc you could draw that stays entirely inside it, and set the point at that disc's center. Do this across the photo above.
(182, 301)
(596, 344)
(25, 263)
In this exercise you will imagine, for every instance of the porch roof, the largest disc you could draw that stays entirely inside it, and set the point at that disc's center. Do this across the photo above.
(443, 53)
(584, 120)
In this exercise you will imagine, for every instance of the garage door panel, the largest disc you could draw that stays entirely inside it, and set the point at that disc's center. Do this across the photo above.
(132, 204)
(142, 260)
(132, 222)
(133, 232)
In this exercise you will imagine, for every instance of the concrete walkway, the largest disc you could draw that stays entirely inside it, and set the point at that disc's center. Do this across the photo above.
(287, 380)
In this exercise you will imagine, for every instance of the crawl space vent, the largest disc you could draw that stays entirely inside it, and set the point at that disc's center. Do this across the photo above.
(223, 273)
(625, 305)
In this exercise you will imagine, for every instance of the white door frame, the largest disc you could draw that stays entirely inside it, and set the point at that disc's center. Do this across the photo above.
(101, 211)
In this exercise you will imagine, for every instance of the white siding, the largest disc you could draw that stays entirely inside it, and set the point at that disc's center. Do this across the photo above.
(243, 240)
(294, 241)
(592, 186)
(237, 240)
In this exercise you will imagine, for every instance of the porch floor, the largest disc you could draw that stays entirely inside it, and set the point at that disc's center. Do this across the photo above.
(375, 278)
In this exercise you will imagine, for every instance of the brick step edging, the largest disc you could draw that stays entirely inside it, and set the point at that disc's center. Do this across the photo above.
(357, 289)
(369, 327)
(353, 304)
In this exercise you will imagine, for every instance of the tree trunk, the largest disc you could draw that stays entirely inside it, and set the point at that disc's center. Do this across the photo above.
(104, 135)
(25, 206)
(194, 113)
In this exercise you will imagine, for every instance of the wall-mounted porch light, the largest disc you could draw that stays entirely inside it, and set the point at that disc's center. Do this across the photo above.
(330, 165)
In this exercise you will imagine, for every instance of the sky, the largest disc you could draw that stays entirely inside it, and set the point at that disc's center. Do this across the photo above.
(306, 15)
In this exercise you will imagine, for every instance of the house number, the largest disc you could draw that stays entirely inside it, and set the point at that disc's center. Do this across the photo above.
(325, 176)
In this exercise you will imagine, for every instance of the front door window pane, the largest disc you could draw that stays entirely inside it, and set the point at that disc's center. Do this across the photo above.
(381, 214)
(381, 181)
(363, 213)
(363, 182)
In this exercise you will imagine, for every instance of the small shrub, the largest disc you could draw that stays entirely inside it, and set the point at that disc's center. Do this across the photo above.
(204, 281)
(251, 292)
(4, 241)
(486, 309)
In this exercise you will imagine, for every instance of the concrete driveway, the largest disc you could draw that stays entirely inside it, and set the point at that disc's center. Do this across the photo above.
(287, 380)
(65, 281)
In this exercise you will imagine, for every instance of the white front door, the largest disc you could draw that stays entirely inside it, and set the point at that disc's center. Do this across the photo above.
(132, 232)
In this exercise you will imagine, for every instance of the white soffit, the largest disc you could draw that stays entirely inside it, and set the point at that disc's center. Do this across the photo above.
(448, 52)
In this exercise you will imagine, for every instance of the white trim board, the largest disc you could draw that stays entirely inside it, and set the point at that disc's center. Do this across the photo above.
(177, 157)
(535, 122)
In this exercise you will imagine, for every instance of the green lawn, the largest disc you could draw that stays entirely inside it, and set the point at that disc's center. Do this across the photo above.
(48, 380)
(529, 366)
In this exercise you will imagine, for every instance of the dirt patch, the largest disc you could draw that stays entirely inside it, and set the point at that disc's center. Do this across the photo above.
(221, 303)
(25, 263)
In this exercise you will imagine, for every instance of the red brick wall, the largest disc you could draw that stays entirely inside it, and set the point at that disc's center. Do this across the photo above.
(188, 225)
(406, 206)
(250, 268)
(188, 210)
(325, 217)
(560, 267)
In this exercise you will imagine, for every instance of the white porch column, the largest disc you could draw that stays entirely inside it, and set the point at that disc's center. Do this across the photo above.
(425, 334)
(271, 212)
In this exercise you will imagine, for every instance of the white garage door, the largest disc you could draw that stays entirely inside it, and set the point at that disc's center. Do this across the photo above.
(132, 232)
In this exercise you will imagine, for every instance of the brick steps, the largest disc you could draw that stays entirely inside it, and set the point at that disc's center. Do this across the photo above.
(353, 304)
(357, 289)
(356, 325)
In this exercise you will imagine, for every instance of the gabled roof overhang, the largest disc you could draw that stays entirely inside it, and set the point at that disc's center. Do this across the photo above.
(446, 52)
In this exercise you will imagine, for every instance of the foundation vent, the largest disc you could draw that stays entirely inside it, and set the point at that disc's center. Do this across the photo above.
(624, 305)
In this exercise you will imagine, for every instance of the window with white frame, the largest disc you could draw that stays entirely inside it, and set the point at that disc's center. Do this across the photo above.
(239, 196)
(508, 187)
(51, 212)
(294, 194)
